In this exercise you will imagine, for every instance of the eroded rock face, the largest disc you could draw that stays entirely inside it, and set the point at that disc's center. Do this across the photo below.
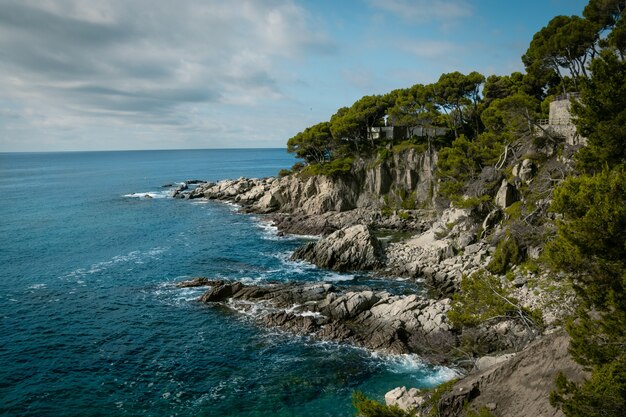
(376, 320)
(351, 248)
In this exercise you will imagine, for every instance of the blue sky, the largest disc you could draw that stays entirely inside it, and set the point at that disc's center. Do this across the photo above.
(164, 74)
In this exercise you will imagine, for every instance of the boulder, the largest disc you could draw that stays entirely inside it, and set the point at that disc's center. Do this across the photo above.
(407, 400)
(507, 195)
(526, 170)
(348, 249)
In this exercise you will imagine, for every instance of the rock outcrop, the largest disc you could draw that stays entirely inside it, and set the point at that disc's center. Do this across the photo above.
(513, 385)
(376, 320)
(351, 248)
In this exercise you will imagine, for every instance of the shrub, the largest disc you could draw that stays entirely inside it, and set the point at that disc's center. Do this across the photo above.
(330, 169)
(366, 407)
(483, 298)
(507, 253)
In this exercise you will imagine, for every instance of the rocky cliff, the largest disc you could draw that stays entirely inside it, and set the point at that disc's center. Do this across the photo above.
(444, 244)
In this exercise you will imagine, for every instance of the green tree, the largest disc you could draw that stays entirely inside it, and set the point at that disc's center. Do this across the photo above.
(464, 160)
(353, 124)
(514, 115)
(609, 16)
(458, 96)
(591, 246)
(567, 44)
(415, 107)
(601, 114)
(314, 144)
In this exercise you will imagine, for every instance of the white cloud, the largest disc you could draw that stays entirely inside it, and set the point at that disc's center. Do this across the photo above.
(146, 62)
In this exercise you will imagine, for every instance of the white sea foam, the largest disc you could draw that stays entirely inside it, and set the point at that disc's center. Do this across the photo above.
(149, 194)
(37, 286)
(410, 363)
(336, 277)
(137, 257)
(442, 374)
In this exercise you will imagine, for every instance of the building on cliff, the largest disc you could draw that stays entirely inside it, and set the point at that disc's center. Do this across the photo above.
(560, 120)
(405, 132)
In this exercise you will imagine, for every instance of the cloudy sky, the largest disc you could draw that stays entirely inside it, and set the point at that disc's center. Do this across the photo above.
(171, 74)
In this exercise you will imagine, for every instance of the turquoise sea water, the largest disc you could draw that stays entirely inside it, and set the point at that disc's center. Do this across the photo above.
(91, 323)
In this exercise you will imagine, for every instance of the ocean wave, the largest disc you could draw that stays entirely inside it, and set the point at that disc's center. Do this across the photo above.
(149, 194)
(137, 257)
(411, 364)
(337, 277)
(37, 286)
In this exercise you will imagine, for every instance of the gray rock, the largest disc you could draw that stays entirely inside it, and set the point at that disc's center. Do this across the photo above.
(199, 282)
(351, 248)
(407, 400)
(489, 361)
(221, 292)
(526, 170)
(507, 195)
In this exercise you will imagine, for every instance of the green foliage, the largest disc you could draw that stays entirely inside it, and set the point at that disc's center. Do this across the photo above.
(414, 107)
(464, 160)
(472, 202)
(435, 396)
(330, 169)
(458, 95)
(609, 16)
(512, 116)
(284, 172)
(591, 240)
(563, 46)
(298, 166)
(482, 298)
(314, 144)
(366, 407)
(601, 114)
(483, 412)
(409, 144)
(514, 211)
(409, 202)
(507, 253)
(604, 395)
(591, 246)
(383, 154)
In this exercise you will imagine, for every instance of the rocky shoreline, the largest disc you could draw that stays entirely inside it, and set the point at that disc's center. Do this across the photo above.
(378, 320)
(439, 246)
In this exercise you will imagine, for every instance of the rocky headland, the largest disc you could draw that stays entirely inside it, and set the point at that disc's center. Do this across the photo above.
(358, 215)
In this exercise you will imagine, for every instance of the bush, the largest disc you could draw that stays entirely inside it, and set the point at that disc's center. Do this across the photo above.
(482, 298)
(483, 412)
(284, 172)
(507, 253)
(330, 169)
(366, 407)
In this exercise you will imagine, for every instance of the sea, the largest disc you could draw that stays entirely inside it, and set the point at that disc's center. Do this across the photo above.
(92, 324)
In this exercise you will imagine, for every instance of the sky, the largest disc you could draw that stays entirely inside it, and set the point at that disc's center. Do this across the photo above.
(80, 75)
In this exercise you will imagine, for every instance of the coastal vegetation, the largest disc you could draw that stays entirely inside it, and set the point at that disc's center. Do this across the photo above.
(474, 124)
